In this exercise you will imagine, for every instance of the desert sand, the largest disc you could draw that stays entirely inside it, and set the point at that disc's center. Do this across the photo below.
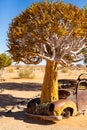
(14, 90)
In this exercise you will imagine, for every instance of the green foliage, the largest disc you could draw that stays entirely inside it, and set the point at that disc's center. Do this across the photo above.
(84, 51)
(85, 8)
(85, 60)
(26, 73)
(4, 60)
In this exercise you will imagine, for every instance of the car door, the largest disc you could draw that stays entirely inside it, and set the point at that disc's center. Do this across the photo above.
(82, 99)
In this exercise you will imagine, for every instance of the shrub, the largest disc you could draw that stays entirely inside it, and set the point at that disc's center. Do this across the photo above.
(65, 70)
(5, 60)
(10, 70)
(26, 73)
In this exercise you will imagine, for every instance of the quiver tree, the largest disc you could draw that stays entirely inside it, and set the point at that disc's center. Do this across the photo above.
(52, 31)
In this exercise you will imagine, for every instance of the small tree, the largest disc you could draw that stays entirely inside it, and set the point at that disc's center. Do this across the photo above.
(53, 31)
(84, 51)
(85, 60)
(4, 60)
(85, 8)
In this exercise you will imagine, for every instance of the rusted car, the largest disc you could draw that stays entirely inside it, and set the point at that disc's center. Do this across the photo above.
(72, 101)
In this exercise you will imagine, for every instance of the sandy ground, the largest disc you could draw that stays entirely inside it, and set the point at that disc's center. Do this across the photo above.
(14, 90)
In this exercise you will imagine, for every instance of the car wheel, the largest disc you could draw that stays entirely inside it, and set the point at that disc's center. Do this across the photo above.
(66, 113)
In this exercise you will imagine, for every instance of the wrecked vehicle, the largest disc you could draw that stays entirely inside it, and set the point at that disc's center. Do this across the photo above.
(72, 101)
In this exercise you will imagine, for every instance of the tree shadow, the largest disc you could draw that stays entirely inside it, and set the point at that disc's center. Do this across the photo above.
(8, 100)
(21, 86)
(17, 113)
(20, 115)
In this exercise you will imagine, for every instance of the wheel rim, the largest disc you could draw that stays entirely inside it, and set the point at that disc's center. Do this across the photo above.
(66, 113)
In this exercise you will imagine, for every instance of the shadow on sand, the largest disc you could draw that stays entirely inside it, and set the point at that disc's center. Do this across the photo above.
(21, 86)
(17, 113)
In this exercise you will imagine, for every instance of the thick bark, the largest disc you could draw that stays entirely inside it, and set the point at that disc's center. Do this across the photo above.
(50, 83)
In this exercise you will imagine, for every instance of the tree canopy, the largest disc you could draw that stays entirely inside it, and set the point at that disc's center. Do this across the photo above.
(52, 31)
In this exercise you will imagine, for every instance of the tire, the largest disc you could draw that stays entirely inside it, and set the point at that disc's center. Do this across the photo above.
(31, 106)
(66, 113)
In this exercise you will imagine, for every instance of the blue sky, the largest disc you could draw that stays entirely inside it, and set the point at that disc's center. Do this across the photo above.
(12, 8)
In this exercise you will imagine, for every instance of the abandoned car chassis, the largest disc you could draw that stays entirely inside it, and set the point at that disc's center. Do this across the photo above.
(72, 101)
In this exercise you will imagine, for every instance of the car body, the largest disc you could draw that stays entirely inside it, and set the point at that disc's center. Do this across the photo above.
(70, 103)
(64, 107)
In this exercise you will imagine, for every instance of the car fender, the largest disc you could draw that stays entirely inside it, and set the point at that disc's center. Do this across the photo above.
(62, 104)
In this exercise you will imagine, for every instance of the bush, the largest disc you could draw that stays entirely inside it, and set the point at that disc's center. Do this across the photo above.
(10, 70)
(26, 73)
(65, 70)
(5, 60)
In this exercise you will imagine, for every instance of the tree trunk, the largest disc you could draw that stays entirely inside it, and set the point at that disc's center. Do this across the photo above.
(50, 83)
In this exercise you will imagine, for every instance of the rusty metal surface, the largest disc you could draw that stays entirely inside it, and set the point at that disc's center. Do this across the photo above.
(67, 83)
(63, 94)
(31, 106)
(62, 104)
(82, 99)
